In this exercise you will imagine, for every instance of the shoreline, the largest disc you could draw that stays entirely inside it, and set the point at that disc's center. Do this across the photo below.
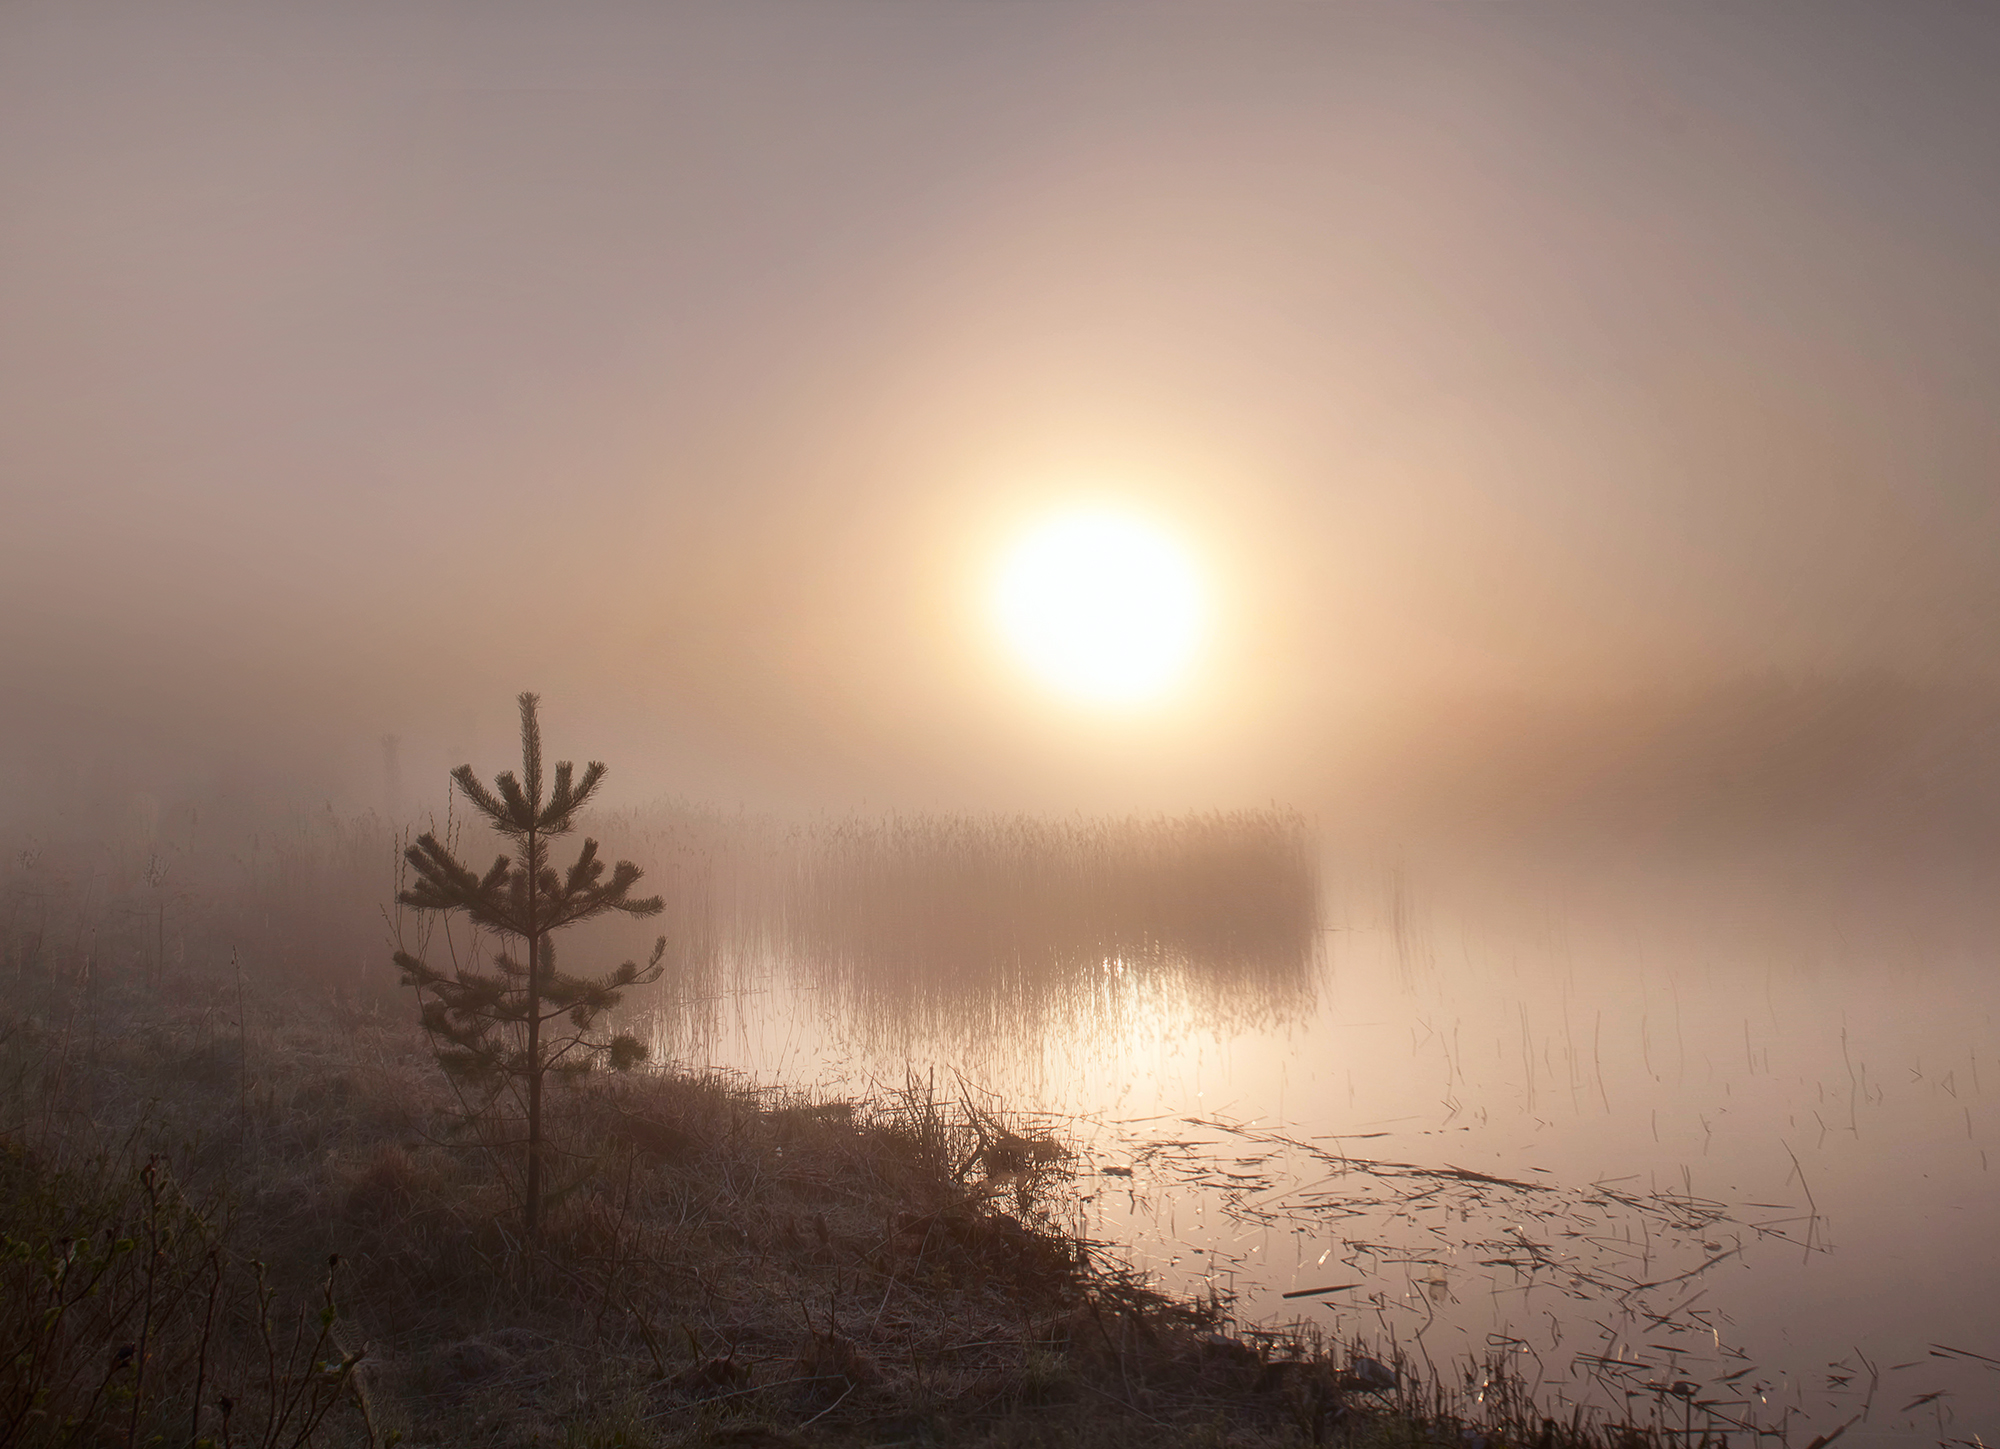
(722, 1265)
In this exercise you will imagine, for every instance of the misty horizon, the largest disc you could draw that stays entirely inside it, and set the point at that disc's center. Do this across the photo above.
(1487, 358)
(1334, 661)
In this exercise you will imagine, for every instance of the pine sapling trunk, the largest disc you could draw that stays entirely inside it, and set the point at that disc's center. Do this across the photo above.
(532, 1217)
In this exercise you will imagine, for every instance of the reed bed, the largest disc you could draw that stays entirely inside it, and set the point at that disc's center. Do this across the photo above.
(956, 927)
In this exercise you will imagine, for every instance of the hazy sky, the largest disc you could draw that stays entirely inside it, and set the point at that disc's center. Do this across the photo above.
(362, 364)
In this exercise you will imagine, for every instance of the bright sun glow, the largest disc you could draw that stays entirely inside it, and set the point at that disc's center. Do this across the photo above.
(1101, 605)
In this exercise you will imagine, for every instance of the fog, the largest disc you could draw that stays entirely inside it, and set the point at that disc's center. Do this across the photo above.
(1516, 371)
(1584, 423)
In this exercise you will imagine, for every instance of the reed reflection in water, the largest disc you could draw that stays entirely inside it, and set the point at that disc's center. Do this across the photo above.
(983, 932)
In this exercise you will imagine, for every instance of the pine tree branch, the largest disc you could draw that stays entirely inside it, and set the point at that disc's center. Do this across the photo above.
(520, 814)
(481, 798)
(531, 749)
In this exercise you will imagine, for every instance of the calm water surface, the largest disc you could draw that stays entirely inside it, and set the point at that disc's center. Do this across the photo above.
(1717, 1154)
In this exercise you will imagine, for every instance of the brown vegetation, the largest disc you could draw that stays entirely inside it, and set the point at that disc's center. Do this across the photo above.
(719, 1265)
(241, 1209)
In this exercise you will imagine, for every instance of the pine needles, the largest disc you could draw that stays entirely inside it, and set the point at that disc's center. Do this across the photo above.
(501, 1031)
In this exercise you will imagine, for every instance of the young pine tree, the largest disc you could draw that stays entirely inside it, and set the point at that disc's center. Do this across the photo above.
(510, 1028)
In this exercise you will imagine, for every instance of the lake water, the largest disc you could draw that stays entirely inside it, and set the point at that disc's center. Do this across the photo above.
(1719, 1150)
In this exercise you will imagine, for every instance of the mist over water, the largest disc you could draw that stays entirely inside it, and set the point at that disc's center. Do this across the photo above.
(1555, 916)
(1681, 1106)
(1711, 1150)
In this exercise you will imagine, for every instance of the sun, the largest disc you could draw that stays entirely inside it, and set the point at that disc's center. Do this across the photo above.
(1101, 605)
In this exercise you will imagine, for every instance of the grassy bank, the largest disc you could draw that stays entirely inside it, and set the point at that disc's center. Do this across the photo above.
(256, 1217)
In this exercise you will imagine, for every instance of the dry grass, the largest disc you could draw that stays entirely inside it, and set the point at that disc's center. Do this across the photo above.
(185, 1145)
(724, 1266)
